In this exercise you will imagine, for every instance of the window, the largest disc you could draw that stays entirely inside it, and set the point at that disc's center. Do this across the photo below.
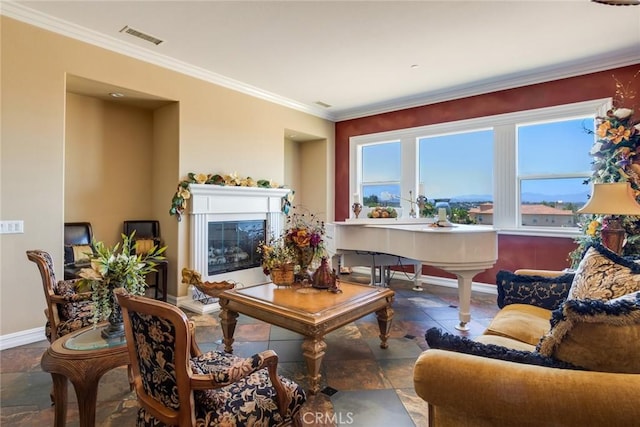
(522, 172)
(458, 167)
(553, 164)
(380, 182)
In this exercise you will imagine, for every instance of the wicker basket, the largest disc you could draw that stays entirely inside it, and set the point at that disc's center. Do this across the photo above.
(282, 276)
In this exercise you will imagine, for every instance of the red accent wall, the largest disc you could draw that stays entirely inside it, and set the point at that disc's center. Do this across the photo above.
(513, 251)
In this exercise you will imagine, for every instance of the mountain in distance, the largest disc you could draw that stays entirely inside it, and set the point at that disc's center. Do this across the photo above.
(565, 198)
(527, 198)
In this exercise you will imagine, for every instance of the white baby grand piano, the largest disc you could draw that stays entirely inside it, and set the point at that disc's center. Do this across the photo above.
(463, 250)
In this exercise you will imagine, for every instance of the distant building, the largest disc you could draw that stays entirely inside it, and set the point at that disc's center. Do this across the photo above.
(535, 215)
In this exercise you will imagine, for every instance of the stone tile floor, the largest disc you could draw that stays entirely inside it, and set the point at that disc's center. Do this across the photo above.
(363, 385)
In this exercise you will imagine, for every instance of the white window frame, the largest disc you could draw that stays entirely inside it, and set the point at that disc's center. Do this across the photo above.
(506, 193)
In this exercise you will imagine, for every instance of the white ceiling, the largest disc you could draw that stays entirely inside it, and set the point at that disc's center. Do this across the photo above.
(359, 57)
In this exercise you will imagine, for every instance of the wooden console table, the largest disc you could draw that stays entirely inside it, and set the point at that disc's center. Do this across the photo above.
(307, 311)
(81, 357)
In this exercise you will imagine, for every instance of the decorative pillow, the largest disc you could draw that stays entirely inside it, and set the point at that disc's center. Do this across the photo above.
(82, 253)
(603, 275)
(543, 292)
(144, 246)
(77, 254)
(445, 341)
(598, 335)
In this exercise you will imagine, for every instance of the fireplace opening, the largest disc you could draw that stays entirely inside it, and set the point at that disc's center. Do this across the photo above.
(233, 245)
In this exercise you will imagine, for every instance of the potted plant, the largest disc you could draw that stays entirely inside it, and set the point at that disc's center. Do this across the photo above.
(278, 261)
(115, 267)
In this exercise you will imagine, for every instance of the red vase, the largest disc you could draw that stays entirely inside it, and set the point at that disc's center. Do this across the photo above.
(323, 277)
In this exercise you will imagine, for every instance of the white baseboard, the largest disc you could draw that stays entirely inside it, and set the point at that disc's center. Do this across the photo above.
(30, 336)
(17, 339)
(437, 281)
(37, 334)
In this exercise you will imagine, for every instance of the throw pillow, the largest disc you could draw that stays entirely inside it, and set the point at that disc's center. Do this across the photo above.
(445, 341)
(596, 334)
(82, 253)
(144, 246)
(603, 275)
(543, 292)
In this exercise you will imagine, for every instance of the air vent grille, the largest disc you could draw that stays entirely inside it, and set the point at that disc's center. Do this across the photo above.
(323, 104)
(140, 35)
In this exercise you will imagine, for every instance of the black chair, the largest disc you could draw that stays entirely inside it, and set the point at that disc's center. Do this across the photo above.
(78, 239)
(148, 235)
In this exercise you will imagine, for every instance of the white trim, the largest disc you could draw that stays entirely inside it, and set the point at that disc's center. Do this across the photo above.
(505, 181)
(65, 28)
(19, 338)
(486, 288)
(618, 59)
(608, 61)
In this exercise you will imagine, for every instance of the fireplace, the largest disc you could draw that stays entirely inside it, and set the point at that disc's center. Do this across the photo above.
(233, 245)
(226, 225)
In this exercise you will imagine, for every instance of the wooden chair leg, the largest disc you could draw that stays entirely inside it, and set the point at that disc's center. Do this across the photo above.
(130, 375)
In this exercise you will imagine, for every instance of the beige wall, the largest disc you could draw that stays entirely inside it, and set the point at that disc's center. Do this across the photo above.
(108, 163)
(217, 131)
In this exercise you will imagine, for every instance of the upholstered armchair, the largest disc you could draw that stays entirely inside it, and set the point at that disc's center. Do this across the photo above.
(67, 310)
(178, 385)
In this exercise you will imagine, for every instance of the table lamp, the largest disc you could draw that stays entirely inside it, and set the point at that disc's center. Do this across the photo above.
(615, 199)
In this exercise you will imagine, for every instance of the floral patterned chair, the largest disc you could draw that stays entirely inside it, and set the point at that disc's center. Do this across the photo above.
(67, 310)
(178, 385)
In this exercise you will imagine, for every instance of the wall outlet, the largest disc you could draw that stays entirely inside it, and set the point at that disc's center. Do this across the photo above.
(11, 227)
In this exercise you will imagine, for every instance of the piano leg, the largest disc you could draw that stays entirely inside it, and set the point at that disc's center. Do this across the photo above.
(417, 284)
(465, 278)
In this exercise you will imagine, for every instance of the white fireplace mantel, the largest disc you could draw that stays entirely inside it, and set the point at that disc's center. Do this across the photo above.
(214, 203)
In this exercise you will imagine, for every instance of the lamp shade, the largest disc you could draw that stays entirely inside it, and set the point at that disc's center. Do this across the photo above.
(614, 198)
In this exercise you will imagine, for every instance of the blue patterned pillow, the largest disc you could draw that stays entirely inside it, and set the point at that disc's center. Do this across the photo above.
(446, 341)
(544, 292)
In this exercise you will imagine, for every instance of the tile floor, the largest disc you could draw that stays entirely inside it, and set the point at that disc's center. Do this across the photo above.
(363, 385)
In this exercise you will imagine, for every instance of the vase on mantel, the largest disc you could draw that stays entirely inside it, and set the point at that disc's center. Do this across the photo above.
(115, 328)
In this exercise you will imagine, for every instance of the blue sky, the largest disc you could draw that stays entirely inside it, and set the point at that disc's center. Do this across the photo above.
(462, 164)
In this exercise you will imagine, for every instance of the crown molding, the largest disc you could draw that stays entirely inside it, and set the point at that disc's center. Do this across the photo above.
(595, 64)
(65, 28)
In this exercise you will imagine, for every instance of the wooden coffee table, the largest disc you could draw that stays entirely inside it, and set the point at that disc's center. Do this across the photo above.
(308, 311)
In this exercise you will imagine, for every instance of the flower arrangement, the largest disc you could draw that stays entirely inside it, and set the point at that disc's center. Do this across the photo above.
(275, 254)
(117, 267)
(304, 233)
(616, 158)
(182, 194)
(299, 245)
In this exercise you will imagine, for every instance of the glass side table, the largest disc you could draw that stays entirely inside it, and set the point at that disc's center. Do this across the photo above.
(90, 339)
(82, 357)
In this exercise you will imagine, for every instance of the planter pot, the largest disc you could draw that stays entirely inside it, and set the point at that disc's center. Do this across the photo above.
(282, 276)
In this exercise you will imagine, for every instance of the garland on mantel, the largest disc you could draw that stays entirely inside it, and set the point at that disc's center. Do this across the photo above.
(183, 193)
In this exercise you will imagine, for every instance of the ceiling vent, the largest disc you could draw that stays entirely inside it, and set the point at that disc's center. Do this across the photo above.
(140, 35)
(323, 104)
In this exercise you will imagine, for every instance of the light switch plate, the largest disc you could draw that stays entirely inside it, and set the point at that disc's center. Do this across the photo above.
(11, 227)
